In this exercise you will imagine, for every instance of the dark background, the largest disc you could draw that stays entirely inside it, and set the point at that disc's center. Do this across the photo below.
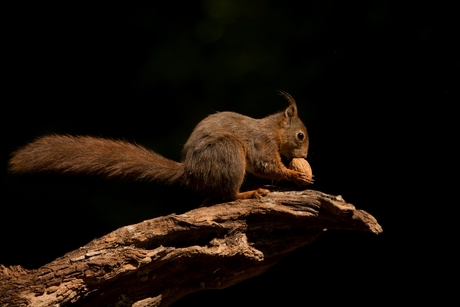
(368, 77)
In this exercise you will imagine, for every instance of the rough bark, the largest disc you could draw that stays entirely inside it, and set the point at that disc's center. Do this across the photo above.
(158, 261)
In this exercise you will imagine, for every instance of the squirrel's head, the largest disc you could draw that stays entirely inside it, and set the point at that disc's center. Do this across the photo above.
(293, 134)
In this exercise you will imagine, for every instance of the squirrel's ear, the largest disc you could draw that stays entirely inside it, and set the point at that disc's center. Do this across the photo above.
(291, 111)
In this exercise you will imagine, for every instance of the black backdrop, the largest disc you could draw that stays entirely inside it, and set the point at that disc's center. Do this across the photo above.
(367, 78)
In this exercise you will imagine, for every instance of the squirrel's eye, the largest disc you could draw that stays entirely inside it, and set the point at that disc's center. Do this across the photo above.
(300, 136)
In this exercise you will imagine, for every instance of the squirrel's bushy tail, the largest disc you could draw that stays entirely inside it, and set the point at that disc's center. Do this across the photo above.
(94, 156)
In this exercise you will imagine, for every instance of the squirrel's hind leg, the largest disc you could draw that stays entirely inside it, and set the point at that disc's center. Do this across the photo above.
(216, 166)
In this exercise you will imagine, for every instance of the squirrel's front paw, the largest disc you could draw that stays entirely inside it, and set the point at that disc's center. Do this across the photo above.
(301, 171)
(303, 179)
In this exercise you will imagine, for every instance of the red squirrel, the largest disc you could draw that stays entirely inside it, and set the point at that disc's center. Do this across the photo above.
(215, 158)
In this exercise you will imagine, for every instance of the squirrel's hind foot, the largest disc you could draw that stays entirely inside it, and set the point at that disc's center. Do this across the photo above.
(254, 194)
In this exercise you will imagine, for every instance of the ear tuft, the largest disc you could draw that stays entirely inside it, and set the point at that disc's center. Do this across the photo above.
(291, 111)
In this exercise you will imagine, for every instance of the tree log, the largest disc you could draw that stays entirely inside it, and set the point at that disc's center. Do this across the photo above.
(158, 261)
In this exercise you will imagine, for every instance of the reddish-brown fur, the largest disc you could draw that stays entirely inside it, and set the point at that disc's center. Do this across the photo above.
(214, 160)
